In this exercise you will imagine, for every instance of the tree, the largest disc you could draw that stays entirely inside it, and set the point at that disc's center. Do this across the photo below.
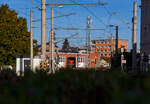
(65, 44)
(14, 37)
(35, 47)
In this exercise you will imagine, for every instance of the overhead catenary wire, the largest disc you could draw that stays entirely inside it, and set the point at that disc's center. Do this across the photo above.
(90, 11)
(101, 21)
(66, 17)
(79, 4)
(118, 17)
(126, 24)
(36, 5)
(62, 28)
(38, 1)
(38, 20)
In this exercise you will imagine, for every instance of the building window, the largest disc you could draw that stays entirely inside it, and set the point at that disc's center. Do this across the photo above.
(101, 42)
(81, 59)
(97, 50)
(93, 46)
(101, 46)
(97, 42)
(61, 59)
(93, 42)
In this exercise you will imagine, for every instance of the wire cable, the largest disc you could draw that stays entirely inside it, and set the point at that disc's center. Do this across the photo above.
(66, 17)
(38, 1)
(91, 13)
(115, 14)
(36, 5)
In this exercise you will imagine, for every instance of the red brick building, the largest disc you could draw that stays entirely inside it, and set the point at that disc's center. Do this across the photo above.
(99, 49)
(107, 47)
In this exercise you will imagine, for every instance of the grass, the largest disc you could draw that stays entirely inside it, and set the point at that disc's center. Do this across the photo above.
(69, 86)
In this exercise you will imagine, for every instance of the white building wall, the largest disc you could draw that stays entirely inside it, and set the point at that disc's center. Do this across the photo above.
(20, 64)
(36, 63)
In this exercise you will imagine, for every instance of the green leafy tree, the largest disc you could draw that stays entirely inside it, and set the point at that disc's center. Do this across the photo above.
(14, 37)
(65, 44)
(35, 46)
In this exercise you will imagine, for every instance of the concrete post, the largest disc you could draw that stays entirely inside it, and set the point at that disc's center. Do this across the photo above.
(31, 42)
(52, 47)
(134, 41)
(43, 27)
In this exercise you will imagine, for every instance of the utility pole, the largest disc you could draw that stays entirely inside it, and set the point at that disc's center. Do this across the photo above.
(88, 40)
(116, 52)
(134, 33)
(52, 42)
(31, 42)
(43, 27)
(52, 47)
(116, 41)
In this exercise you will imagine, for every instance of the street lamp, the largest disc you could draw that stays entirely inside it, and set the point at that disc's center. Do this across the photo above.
(51, 42)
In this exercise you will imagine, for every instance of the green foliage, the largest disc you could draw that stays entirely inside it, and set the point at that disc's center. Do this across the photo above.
(14, 37)
(35, 46)
(75, 87)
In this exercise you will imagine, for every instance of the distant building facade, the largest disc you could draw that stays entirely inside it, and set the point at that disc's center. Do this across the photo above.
(145, 26)
(107, 46)
(78, 57)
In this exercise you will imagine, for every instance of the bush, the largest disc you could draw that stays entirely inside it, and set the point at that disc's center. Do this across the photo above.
(74, 87)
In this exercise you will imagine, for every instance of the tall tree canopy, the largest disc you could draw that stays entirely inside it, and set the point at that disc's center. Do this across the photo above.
(14, 36)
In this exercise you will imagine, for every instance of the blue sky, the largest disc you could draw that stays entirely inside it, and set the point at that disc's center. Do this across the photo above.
(102, 16)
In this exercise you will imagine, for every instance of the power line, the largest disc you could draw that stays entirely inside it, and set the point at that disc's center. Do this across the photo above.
(92, 12)
(62, 28)
(115, 14)
(38, 20)
(36, 5)
(79, 4)
(38, 1)
(122, 21)
(67, 17)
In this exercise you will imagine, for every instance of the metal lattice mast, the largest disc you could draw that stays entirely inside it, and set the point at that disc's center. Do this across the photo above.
(88, 40)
